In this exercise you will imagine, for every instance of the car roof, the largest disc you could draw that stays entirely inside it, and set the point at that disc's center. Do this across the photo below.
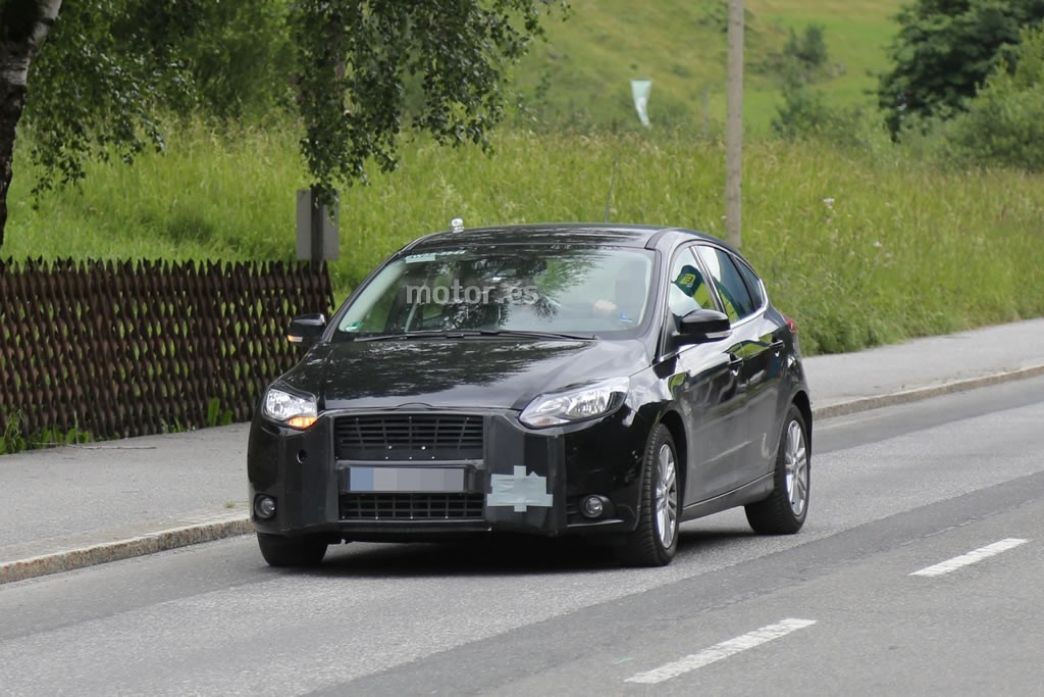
(613, 234)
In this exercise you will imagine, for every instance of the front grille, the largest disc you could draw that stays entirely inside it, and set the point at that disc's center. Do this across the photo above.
(409, 437)
(411, 506)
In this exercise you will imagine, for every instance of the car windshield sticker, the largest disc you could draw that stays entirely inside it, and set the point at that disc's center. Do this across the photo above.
(519, 490)
(432, 256)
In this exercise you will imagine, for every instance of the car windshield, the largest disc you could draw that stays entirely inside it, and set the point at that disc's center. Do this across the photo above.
(549, 290)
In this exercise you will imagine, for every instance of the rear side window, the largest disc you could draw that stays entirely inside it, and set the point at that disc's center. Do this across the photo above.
(753, 283)
(728, 282)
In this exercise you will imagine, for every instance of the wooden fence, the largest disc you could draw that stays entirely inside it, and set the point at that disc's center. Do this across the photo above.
(118, 349)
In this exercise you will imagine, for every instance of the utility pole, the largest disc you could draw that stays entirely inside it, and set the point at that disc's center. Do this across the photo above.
(734, 125)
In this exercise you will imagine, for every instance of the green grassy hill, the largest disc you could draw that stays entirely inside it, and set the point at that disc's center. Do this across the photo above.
(861, 245)
(588, 61)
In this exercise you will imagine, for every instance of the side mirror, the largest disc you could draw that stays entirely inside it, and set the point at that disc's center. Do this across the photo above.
(305, 329)
(699, 326)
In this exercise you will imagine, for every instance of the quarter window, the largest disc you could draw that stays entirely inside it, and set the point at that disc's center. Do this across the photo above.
(728, 282)
(753, 283)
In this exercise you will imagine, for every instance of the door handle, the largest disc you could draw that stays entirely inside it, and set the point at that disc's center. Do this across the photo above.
(777, 347)
(735, 363)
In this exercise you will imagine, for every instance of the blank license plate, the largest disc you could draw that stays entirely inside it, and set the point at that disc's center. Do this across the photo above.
(405, 479)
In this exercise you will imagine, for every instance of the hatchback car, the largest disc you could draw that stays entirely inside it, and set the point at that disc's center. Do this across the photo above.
(599, 380)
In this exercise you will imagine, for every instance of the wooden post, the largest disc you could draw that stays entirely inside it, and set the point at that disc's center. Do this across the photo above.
(734, 126)
(316, 246)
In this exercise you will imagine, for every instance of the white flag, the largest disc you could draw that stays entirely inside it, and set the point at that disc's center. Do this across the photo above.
(640, 90)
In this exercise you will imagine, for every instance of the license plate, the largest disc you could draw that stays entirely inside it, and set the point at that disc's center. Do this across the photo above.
(406, 479)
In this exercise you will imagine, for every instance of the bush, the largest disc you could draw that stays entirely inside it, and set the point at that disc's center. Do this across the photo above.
(805, 115)
(944, 51)
(1004, 123)
(809, 51)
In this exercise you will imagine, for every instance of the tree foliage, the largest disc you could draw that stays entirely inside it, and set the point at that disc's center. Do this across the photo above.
(357, 62)
(805, 53)
(1004, 123)
(112, 68)
(945, 49)
(113, 72)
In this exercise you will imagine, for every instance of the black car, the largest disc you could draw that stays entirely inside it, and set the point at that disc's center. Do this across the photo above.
(600, 380)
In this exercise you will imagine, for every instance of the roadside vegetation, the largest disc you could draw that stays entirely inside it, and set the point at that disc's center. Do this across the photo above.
(873, 221)
(861, 246)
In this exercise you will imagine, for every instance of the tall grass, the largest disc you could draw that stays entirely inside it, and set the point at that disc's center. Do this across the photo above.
(861, 248)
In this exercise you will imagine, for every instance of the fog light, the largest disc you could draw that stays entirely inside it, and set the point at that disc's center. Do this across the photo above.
(592, 506)
(264, 507)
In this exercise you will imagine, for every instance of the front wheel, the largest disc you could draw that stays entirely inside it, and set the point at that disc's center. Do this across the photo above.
(291, 551)
(655, 540)
(784, 511)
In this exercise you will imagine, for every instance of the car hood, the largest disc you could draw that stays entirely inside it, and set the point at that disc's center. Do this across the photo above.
(456, 373)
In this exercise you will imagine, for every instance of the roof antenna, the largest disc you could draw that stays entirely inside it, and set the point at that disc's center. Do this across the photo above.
(612, 186)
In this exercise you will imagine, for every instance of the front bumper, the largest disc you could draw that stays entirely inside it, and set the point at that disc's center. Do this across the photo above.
(528, 481)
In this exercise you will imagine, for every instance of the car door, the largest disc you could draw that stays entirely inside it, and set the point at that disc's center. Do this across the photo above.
(754, 344)
(763, 372)
(703, 381)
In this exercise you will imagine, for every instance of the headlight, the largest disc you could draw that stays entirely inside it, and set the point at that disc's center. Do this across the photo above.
(575, 405)
(289, 409)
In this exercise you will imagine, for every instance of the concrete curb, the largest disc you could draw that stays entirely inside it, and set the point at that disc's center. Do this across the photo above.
(160, 541)
(184, 536)
(855, 406)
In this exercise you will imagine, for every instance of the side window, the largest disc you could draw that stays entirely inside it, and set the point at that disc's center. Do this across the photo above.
(753, 283)
(687, 290)
(727, 280)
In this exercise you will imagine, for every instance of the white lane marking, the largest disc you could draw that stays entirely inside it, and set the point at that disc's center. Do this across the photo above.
(720, 651)
(976, 555)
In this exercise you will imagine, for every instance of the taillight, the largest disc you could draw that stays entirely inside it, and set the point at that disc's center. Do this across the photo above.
(791, 324)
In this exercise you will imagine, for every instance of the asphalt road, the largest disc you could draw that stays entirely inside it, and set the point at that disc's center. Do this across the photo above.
(918, 572)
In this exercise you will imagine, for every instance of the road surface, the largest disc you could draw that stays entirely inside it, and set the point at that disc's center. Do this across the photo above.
(919, 572)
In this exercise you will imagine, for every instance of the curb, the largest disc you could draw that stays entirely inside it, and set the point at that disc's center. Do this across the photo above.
(906, 396)
(184, 536)
(160, 541)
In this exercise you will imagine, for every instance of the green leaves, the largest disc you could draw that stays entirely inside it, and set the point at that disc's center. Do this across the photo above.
(361, 71)
(96, 88)
(367, 70)
(944, 52)
(1004, 123)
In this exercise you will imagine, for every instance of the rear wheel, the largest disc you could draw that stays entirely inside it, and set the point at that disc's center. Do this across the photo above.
(784, 511)
(291, 551)
(655, 540)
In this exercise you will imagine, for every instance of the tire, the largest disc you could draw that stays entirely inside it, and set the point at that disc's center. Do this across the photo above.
(655, 540)
(290, 551)
(785, 510)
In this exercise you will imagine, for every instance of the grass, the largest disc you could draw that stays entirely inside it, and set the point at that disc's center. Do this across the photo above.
(591, 58)
(861, 248)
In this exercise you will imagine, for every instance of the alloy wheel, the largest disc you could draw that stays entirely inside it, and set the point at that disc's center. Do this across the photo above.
(666, 496)
(795, 460)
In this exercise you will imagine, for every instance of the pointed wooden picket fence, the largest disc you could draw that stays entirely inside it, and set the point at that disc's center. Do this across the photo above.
(121, 349)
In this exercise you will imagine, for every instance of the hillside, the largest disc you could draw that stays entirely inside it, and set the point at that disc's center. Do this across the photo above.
(847, 238)
(587, 62)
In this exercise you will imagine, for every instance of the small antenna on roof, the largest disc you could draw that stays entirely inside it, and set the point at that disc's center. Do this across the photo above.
(457, 225)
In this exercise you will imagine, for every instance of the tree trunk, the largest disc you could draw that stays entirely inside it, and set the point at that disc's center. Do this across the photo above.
(23, 26)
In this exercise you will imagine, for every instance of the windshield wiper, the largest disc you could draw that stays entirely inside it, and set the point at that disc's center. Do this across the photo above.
(534, 334)
(402, 336)
(466, 333)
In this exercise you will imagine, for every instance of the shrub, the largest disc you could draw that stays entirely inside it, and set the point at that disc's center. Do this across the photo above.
(944, 51)
(808, 51)
(805, 115)
(1004, 123)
